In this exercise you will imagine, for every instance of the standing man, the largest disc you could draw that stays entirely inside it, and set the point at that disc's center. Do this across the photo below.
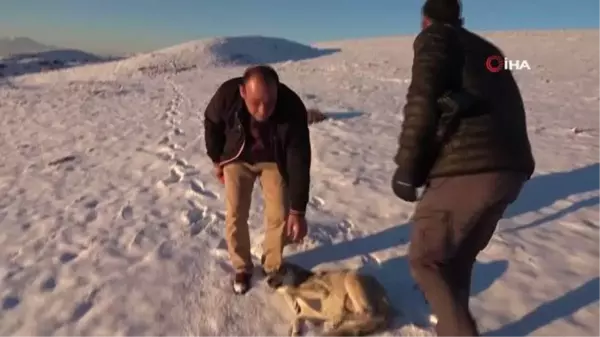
(473, 174)
(256, 127)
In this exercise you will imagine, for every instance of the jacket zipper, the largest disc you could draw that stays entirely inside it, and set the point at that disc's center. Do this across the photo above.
(241, 148)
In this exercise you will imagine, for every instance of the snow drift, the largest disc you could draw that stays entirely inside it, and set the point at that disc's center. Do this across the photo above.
(222, 52)
(198, 54)
(47, 60)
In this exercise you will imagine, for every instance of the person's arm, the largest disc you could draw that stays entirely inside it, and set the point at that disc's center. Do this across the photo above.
(214, 126)
(421, 113)
(298, 153)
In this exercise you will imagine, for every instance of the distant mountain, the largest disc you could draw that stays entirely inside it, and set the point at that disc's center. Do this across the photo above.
(22, 55)
(22, 45)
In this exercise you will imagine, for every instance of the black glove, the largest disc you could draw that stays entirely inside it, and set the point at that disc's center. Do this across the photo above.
(403, 189)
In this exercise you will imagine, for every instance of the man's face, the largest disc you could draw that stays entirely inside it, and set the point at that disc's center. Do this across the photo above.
(260, 98)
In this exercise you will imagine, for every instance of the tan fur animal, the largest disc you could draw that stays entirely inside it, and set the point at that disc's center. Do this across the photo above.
(349, 303)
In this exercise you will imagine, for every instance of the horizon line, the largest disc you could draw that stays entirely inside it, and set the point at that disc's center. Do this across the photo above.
(361, 38)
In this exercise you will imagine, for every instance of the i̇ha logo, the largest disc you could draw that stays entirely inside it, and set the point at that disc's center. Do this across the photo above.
(495, 63)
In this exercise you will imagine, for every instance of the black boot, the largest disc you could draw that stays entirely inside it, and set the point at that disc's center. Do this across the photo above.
(241, 283)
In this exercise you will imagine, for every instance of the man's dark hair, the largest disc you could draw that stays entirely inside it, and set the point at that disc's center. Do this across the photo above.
(443, 11)
(265, 72)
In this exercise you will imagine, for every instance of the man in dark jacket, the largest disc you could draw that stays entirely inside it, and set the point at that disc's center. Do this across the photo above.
(256, 127)
(464, 138)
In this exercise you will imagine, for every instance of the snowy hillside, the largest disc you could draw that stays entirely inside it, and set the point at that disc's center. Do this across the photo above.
(199, 55)
(111, 223)
(47, 60)
(21, 45)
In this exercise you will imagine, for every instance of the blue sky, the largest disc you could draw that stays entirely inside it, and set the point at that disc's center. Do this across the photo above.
(138, 25)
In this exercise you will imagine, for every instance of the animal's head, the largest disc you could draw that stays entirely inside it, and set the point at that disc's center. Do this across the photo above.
(293, 275)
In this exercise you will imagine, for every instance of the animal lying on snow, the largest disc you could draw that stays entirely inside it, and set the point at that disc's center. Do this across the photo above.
(349, 303)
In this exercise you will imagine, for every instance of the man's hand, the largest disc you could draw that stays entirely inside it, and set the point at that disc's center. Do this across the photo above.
(296, 227)
(403, 189)
(218, 171)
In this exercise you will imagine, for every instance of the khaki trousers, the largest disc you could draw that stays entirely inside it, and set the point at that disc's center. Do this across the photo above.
(239, 183)
(454, 221)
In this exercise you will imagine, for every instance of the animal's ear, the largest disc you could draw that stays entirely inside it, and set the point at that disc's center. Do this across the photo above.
(302, 276)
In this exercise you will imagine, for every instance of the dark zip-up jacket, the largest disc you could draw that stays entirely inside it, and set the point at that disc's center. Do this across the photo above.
(491, 136)
(225, 136)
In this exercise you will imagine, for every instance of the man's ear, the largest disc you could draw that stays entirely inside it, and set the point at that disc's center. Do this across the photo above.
(425, 22)
(242, 91)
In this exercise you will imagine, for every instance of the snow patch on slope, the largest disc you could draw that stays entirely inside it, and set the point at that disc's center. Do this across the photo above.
(201, 54)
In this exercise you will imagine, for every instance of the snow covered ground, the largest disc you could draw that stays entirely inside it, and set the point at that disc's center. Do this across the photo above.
(111, 223)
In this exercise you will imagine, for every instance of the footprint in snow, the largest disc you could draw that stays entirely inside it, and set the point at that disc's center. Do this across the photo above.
(164, 140)
(175, 146)
(175, 176)
(127, 212)
(196, 218)
(197, 186)
(48, 285)
(83, 307)
(183, 163)
(67, 257)
(10, 302)
(165, 153)
(317, 202)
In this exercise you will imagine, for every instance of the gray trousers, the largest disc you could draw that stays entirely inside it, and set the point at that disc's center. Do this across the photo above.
(454, 220)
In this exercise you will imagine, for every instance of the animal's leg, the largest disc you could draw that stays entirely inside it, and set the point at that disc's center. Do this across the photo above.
(357, 292)
(313, 291)
(335, 314)
(356, 325)
(289, 299)
(296, 322)
(301, 320)
(367, 295)
(310, 313)
(334, 323)
(367, 316)
(295, 327)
